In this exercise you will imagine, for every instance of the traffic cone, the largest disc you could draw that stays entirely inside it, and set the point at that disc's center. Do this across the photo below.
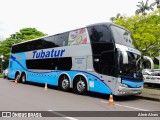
(111, 102)
(45, 88)
(16, 81)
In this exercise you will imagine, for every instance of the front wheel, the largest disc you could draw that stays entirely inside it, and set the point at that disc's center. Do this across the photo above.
(80, 85)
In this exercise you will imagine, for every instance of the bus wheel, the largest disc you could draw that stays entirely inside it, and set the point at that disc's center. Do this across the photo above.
(64, 83)
(23, 78)
(17, 77)
(80, 85)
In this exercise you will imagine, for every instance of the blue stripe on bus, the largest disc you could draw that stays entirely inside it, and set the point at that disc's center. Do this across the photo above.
(126, 79)
(132, 83)
(14, 59)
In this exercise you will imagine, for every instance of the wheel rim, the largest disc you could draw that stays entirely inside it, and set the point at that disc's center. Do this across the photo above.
(17, 77)
(81, 86)
(23, 79)
(65, 83)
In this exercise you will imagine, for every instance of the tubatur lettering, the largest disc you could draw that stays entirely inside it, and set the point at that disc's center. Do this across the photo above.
(48, 54)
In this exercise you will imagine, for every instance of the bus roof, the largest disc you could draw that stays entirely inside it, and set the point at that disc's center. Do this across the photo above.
(108, 24)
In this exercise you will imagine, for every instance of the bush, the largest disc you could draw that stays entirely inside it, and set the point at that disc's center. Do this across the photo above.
(156, 66)
(1, 75)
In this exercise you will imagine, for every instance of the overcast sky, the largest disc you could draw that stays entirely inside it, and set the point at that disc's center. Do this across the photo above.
(54, 16)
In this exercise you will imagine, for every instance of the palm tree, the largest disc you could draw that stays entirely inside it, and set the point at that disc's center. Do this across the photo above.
(158, 3)
(143, 7)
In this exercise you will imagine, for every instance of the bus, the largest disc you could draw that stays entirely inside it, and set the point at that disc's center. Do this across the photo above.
(98, 58)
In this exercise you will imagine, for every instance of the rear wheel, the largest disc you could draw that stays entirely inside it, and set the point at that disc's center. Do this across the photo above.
(80, 85)
(64, 83)
(23, 78)
(149, 85)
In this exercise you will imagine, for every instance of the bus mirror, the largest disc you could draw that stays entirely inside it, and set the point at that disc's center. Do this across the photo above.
(150, 60)
(125, 57)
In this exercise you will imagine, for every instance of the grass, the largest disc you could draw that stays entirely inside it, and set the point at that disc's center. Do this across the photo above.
(1, 75)
(156, 66)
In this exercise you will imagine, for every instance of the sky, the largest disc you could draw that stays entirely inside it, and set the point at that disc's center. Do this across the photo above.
(56, 16)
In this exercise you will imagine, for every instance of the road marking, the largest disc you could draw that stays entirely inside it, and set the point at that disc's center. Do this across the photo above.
(62, 115)
(70, 118)
(128, 106)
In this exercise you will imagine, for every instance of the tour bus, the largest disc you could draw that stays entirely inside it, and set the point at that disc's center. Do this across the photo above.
(99, 58)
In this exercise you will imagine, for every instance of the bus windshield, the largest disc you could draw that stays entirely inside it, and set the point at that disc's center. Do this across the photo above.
(133, 68)
(122, 36)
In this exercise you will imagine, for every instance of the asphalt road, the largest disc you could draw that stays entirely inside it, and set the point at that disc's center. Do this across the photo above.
(33, 97)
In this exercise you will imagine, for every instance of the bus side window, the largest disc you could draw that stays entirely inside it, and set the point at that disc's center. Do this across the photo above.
(107, 63)
(99, 33)
(49, 42)
(64, 63)
(61, 39)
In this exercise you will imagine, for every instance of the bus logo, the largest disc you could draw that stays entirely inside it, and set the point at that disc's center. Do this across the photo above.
(48, 54)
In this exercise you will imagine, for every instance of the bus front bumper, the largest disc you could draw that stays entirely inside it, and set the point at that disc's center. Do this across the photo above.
(121, 91)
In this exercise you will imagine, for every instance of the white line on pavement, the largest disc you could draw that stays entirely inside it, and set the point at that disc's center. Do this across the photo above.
(62, 115)
(128, 106)
(70, 118)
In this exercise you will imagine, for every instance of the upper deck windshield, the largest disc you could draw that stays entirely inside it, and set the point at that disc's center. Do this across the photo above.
(121, 36)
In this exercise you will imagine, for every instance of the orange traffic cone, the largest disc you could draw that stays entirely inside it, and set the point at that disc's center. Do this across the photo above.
(45, 88)
(16, 81)
(111, 102)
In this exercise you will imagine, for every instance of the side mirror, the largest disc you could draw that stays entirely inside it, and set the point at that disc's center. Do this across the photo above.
(150, 60)
(125, 57)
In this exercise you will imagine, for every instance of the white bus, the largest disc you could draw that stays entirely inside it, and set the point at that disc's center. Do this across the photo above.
(98, 58)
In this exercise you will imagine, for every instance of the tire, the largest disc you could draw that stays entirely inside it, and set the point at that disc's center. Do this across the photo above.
(64, 83)
(4, 77)
(149, 85)
(23, 78)
(80, 85)
(18, 77)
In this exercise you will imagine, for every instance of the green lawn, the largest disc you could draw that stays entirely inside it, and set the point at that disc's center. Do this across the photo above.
(1, 75)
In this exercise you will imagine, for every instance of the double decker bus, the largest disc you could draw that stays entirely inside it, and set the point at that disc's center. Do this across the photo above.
(99, 58)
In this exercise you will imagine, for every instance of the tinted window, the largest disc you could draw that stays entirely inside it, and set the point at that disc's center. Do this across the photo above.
(61, 39)
(105, 64)
(99, 33)
(98, 48)
(65, 63)
(50, 64)
(46, 64)
(121, 36)
(102, 45)
(43, 43)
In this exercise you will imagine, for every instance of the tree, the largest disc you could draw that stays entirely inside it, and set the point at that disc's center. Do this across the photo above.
(145, 32)
(23, 35)
(27, 34)
(157, 2)
(117, 16)
(143, 7)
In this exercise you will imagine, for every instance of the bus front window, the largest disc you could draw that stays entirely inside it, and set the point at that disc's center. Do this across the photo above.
(133, 68)
(122, 36)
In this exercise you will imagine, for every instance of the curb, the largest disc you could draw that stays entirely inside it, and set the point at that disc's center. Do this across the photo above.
(148, 98)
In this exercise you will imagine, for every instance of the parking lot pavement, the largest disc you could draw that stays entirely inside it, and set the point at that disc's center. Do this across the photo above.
(150, 93)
